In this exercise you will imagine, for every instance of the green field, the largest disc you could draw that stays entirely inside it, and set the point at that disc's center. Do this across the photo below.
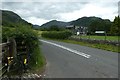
(107, 47)
(110, 38)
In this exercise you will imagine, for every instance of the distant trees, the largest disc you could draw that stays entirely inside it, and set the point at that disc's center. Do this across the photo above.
(110, 28)
(53, 28)
(96, 26)
(114, 30)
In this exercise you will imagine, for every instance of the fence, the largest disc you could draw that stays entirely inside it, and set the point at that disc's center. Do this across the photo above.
(8, 50)
(11, 51)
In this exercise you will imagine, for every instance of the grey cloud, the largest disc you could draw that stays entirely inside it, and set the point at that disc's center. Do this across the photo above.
(42, 9)
(50, 10)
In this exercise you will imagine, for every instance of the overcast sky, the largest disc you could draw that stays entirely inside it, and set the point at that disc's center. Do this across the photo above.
(42, 11)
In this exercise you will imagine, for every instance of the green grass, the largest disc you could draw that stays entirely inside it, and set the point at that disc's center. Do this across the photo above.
(38, 65)
(110, 38)
(107, 47)
(39, 32)
(99, 46)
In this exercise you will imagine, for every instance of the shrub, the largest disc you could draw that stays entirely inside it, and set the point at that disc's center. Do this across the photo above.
(57, 34)
(30, 37)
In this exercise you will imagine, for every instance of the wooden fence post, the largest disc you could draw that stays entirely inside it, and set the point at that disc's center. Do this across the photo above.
(12, 47)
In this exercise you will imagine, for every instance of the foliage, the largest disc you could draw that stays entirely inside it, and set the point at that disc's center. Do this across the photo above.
(11, 19)
(31, 39)
(38, 61)
(57, 34)
(115, 26)
(95, 37)
(55, 22)
(99, 26)
(94, 45)
(21, 33)
(15, 27)
(52, 28)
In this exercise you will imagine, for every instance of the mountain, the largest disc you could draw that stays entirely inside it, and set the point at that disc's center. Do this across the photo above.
(36, 26)
(11, 19)
(87, 21)
(84, 21)
(55, 23)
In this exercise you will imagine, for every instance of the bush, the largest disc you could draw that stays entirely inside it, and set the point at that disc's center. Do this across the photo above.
(24, 33)
(30, 38)
(57, 34)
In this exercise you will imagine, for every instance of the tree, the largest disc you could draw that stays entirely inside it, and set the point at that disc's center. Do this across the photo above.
(115, 26)
(95, 25)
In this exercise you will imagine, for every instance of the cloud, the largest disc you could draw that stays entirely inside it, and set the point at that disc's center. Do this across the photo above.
(91, 10)
(36, 20)
(59, 1)
(64, 10)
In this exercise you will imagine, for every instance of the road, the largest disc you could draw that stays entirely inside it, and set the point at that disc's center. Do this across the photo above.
(65, 60)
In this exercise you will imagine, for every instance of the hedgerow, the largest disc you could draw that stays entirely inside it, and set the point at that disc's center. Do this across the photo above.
(57, 34)
(30, 37)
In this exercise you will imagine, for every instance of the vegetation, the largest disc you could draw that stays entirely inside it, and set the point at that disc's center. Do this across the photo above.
(99, 25)
(56, 23)
(57, 34)
(115, 26)
(30, 37)
(11, 19)
(14, 26)
(99, 46)
(92, 23)
(94, 45)
(92, 37)
(52, 28)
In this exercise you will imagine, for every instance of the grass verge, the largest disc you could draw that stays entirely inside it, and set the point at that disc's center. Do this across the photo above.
(107, 47)
(92, 37)
(38, 63)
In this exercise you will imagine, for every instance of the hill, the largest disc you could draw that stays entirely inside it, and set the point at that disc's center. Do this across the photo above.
(93, 23)
(87, 21)
(11, 19)
(55, 23)
(84, 21)
(35, 26)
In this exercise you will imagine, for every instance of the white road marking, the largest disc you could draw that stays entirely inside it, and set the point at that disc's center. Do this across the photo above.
(68, 49)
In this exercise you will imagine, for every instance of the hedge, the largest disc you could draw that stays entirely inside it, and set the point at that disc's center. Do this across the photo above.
(30, 37)
(57, 34)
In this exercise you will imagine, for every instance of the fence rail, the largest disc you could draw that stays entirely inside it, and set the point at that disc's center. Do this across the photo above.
(7, 50)
(14, 56)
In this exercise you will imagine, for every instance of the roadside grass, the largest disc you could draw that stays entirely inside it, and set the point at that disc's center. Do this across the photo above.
(110, 38)
(94, 45)
(39, 32)
(37, 65)
(107, 47)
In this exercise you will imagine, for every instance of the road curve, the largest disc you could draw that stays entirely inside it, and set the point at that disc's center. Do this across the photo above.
(63, 63)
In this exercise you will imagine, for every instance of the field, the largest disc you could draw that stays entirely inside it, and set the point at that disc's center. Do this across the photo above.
(95, 45)
(109, 38)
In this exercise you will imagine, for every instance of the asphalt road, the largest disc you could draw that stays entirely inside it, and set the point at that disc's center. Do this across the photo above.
(65, 60)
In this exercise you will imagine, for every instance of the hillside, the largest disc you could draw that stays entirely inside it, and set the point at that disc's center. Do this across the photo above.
(35, 26)
(93, 23)
(56, 23)
(86, 21)
(11, 19)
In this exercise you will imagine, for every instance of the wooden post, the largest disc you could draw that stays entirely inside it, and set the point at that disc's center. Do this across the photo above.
(12, 47)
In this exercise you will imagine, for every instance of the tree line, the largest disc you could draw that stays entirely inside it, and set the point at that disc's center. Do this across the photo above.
(111, 29)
